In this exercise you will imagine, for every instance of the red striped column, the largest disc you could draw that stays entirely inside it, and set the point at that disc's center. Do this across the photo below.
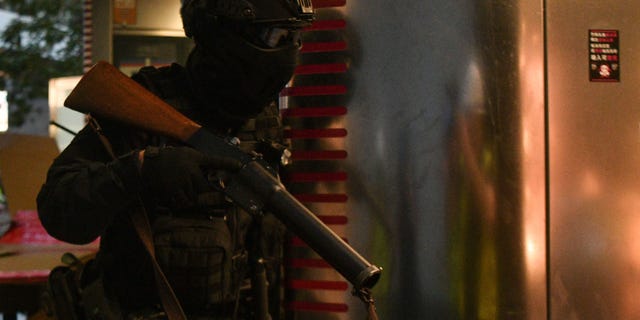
(314, 115)
(87, 35)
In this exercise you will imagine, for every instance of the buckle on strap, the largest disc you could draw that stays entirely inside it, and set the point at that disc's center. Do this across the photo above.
(240, 261)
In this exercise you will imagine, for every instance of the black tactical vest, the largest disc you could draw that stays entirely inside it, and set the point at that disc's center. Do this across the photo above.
(210, 258)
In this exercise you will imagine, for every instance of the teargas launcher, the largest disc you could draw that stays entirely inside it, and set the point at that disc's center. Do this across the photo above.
(107, 92)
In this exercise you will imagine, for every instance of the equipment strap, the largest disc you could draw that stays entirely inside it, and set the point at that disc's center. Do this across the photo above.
(170, 302)
(365, 295)
(140, 221)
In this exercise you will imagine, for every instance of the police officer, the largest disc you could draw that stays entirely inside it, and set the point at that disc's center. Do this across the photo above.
(245, 52)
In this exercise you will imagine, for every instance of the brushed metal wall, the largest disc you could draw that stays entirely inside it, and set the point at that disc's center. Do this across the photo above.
(447, 156)
(594, 152)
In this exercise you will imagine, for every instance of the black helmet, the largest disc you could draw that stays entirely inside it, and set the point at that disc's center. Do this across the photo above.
(200, 17)
(245, 52)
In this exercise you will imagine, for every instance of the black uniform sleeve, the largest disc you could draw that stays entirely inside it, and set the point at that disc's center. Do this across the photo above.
(85, 189)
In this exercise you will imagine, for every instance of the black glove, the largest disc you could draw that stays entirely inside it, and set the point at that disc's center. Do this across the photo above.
(176, 177)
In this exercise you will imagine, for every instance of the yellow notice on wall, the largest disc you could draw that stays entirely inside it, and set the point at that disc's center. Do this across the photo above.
(124, 12)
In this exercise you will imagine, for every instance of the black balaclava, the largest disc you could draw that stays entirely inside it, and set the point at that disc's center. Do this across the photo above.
(237, 76)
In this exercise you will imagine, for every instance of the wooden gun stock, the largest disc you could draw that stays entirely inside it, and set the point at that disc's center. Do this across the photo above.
(107, 92)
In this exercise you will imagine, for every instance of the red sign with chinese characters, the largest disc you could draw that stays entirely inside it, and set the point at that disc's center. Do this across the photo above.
(604, 55)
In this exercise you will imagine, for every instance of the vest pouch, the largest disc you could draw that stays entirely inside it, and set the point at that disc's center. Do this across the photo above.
(61, 300)
(76, 292)
(195, 255)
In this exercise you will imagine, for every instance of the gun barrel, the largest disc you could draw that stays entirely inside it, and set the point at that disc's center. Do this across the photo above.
(298, 218)
(325, 242)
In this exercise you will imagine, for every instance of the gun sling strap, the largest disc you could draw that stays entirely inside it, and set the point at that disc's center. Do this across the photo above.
(140, 221)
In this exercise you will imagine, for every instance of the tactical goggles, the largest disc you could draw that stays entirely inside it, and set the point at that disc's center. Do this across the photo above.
(274, 37)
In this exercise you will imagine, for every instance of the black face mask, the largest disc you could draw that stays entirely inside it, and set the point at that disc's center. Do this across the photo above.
(237, 77)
